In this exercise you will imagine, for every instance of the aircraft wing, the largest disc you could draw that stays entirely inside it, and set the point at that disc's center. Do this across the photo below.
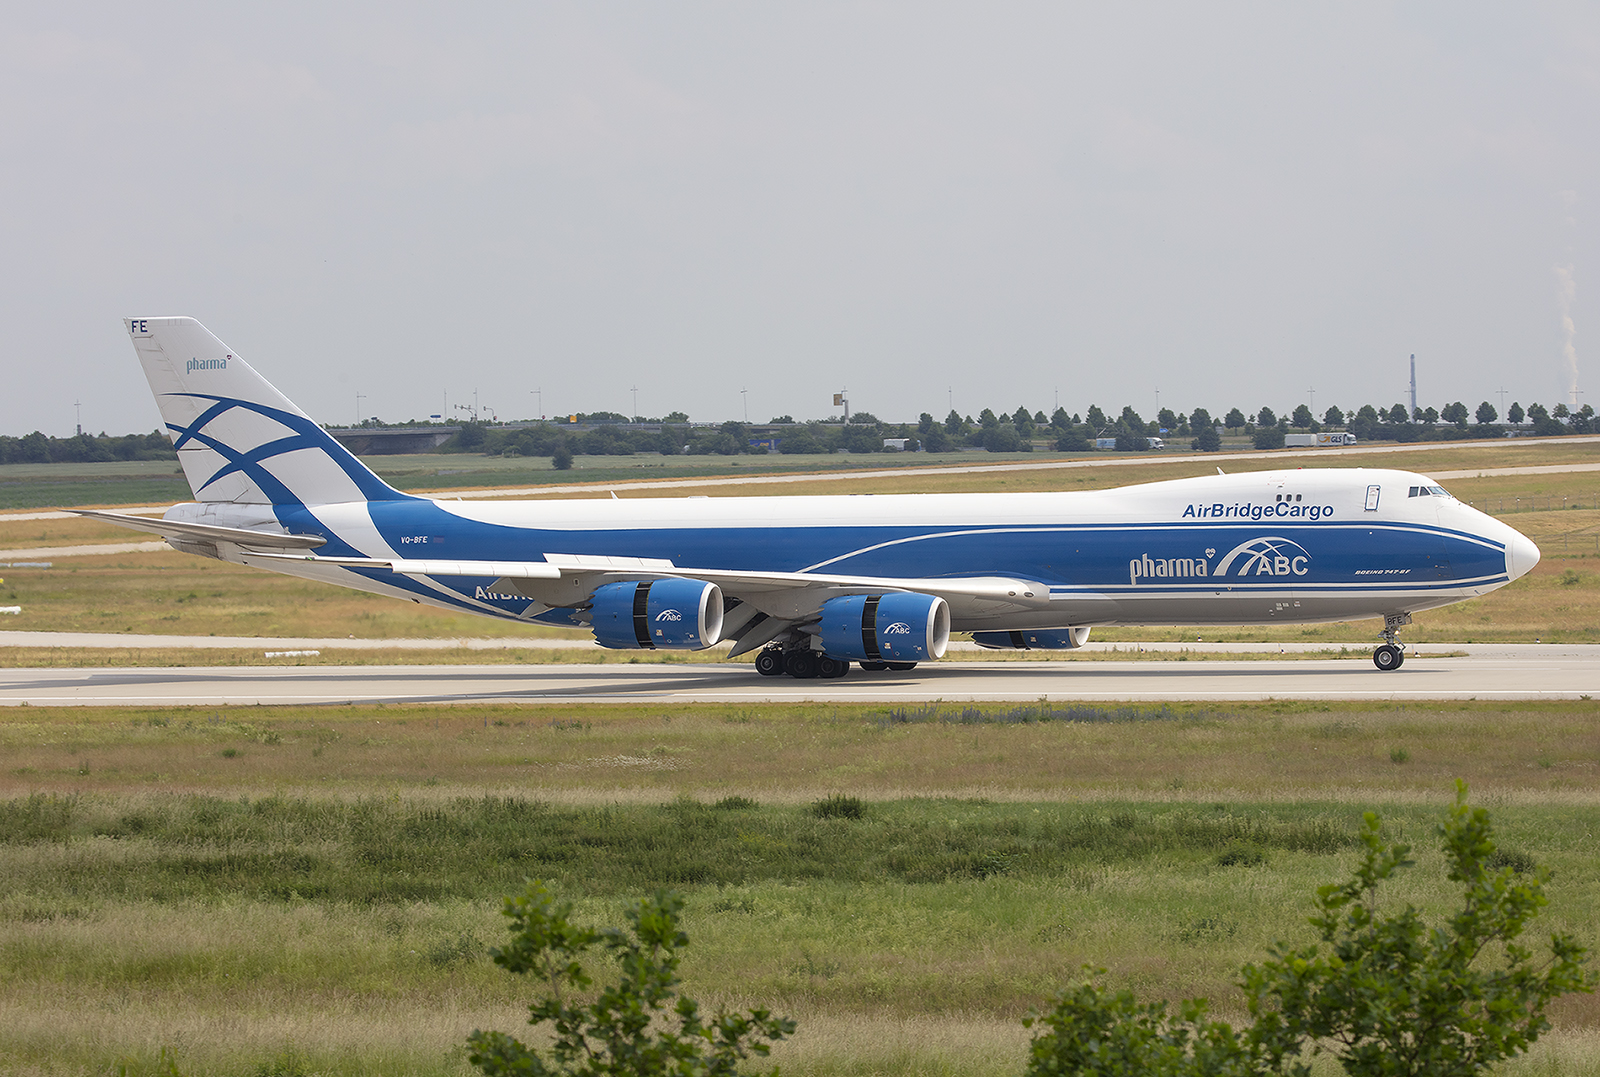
(769, 602)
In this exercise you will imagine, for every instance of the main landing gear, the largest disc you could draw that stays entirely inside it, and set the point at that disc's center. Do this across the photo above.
(804, 664)
(1391, 654)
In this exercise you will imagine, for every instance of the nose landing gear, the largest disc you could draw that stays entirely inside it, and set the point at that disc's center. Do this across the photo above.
(1391, 654)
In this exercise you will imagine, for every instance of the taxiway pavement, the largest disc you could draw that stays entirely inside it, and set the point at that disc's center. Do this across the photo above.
(1525, 673)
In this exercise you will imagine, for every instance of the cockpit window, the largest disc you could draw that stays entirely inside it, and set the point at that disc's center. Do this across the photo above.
(1428, 491)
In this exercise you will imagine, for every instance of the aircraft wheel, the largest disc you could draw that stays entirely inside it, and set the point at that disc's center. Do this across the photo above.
(901, 667)
(770, 663)
(1388, 657)
(801, 664)
(874, 667)
(829, 666)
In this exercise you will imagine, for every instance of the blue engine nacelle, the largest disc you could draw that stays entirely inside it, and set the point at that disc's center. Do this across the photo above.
(1051, 639)
(673, 615)
(899, 627)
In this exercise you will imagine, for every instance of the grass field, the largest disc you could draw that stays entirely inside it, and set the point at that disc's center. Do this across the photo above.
(296, 891)
(174, 594)
(313, 890)
(157, 482)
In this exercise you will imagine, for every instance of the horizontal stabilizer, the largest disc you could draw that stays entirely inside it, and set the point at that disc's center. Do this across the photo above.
(261, 540)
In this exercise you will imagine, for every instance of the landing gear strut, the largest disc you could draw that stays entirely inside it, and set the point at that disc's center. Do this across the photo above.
(769, 663)
(829, 666)
(800, 662)
(1391, 654)
(804, 663)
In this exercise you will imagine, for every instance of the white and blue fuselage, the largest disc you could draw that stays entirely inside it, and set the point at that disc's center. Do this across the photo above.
(1303, 545)
(815, 579)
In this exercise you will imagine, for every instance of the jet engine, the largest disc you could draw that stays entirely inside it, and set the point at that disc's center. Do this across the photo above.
(672, 614)
(897, 627)
(1053, 639)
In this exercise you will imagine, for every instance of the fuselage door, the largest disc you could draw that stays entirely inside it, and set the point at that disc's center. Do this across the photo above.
(1372, 498)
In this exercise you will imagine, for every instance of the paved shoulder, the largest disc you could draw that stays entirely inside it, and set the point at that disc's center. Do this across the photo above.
(1534, 675)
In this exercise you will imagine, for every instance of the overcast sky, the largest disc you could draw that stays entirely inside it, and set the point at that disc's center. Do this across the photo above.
(984, 205)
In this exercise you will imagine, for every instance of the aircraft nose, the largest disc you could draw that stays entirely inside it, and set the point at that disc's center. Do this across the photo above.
(1521, 556)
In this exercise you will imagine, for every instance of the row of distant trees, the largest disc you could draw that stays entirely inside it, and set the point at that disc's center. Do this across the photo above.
(1425, 424)
(1018, 431)
(37, 448)
(611, 434)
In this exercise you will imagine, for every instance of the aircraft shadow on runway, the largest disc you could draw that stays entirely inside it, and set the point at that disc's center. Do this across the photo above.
(601, 683)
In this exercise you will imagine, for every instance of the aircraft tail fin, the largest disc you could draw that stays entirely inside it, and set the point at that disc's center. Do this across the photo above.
(237, 437)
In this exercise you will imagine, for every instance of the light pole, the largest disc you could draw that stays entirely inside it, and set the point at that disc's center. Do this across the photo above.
(635, 416)
(539, 396)
(745, 395)
(360, 396)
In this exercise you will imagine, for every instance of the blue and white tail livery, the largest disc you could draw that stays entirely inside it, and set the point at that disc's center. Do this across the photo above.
(813, 583)
(239, 439)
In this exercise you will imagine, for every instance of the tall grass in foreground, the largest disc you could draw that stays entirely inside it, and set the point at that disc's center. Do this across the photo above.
(297, 934)
(156, 893)
(374, 851)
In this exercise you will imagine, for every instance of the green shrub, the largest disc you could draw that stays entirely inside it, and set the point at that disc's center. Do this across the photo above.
(1383, 992)
(1242, 856)
(1092, 1031)
(838, 806)
(638, 1025)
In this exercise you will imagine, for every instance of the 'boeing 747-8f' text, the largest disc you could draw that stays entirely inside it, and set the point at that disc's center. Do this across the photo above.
(813, 583)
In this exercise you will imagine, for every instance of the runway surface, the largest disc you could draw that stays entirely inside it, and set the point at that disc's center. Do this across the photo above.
(1503, 673)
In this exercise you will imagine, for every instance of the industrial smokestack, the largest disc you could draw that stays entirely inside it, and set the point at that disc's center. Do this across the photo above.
(1567, 292)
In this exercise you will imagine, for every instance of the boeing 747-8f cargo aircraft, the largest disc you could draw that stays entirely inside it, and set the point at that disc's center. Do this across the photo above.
(813, 583)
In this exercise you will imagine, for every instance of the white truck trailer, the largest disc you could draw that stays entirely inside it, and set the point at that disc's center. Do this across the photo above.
(1328, 439)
